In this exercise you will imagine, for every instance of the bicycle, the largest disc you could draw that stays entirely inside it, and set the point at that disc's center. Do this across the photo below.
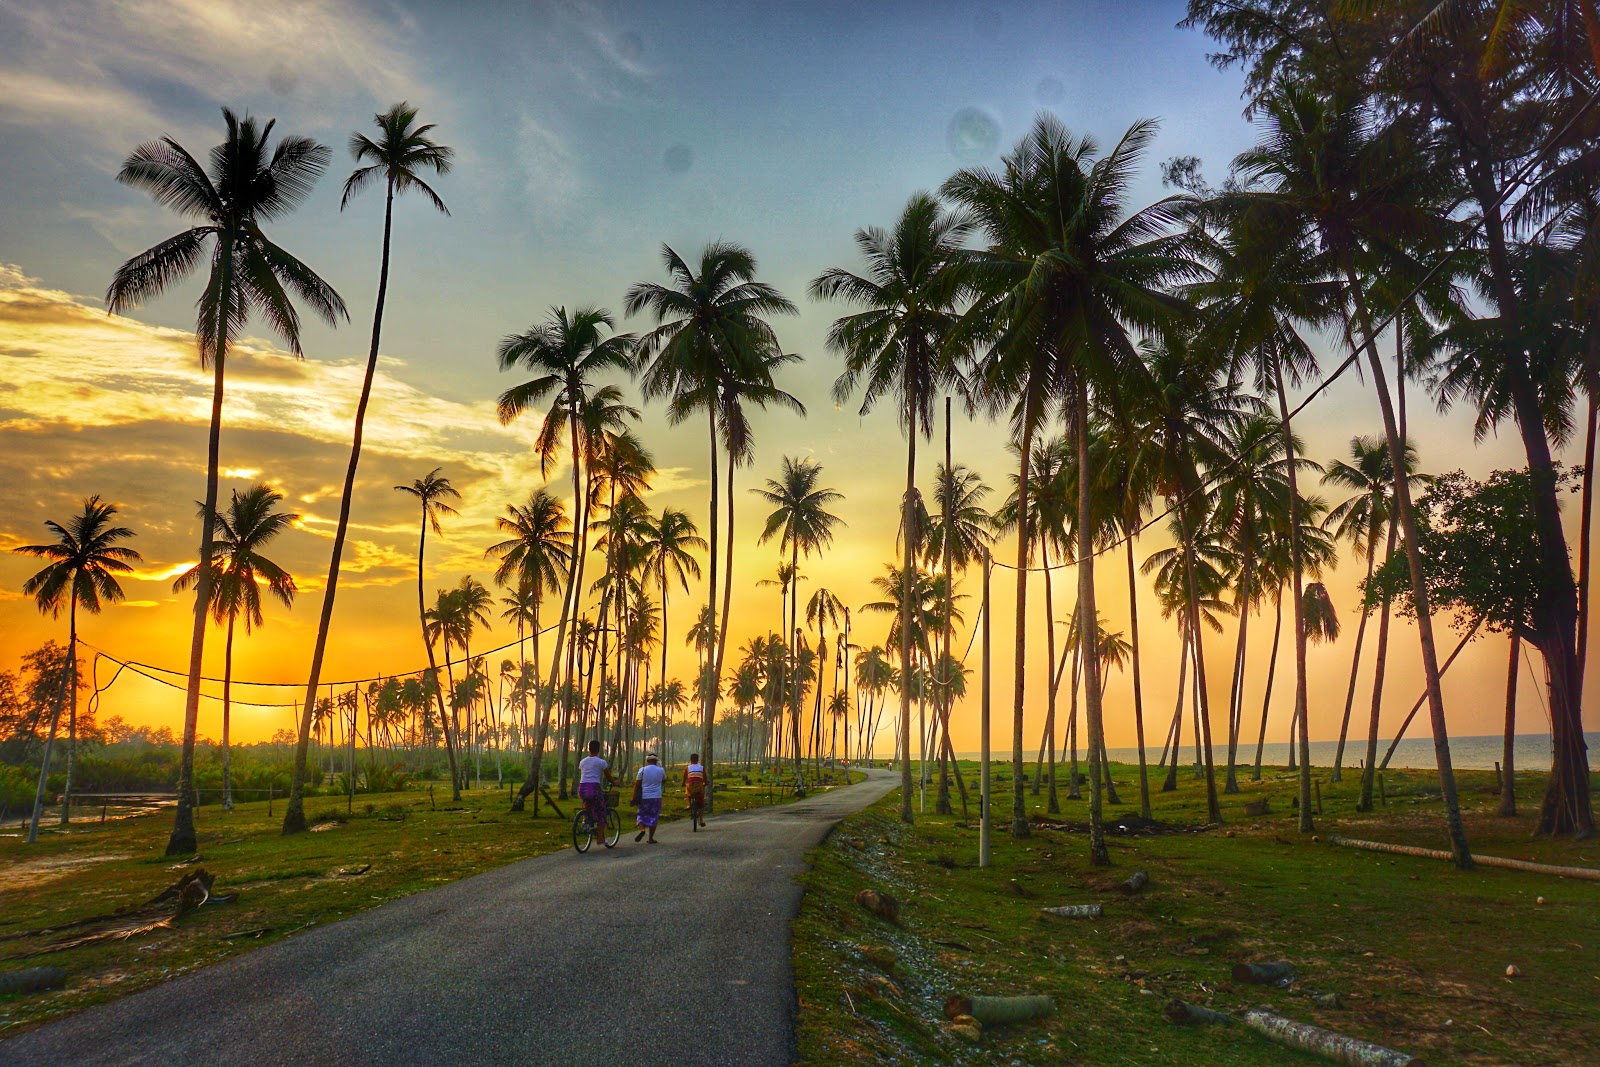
(697, 805)
(583, 827)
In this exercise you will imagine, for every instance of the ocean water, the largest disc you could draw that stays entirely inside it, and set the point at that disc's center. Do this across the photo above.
(1532, 752)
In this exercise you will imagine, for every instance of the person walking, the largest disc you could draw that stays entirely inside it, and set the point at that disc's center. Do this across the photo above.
(647, 793)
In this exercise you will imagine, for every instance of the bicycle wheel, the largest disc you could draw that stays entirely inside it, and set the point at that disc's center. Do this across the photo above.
(694, 816)
(614, 829)
(582, 831)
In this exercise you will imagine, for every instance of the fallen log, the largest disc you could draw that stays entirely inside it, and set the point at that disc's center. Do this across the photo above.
(1302, 1037)
(1135, 883)
(1186, 1014)
(1588, 873)
(1276, 973)
(33, 980)
(998, 1011)
(1075, 911)
(160, 912)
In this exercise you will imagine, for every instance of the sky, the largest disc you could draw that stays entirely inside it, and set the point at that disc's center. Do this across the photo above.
(586, 135)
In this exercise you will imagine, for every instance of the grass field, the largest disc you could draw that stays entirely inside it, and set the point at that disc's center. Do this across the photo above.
(285, 884)
(1417, 950)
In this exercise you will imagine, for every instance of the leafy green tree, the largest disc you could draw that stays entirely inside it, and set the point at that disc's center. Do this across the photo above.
(84, 562)
(239, 570)
(244, 187)
(400, 153)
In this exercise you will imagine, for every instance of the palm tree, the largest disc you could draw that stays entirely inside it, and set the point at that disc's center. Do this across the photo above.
(244, 187)
(958, 534)
(803, 522)
(539, 546)
(874, 674)
(85, 560)
(454, 617)
(239, 570)
(566, 353)
(821, 610)
(900, 346)
(711, 348)
(400, 153)
(1318, 169)
(431, 492)
(1360, 520)
(1069, 273)
(669, 544)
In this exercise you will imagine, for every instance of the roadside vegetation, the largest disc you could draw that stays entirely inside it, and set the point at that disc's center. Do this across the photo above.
(1416, 950)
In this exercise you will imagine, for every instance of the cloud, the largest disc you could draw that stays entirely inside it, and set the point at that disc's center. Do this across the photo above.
(99, 68)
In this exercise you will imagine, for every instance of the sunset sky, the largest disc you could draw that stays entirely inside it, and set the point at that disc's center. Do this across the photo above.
(587, 134)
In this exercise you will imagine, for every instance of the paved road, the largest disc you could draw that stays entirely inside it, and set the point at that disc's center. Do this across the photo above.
(676, 953)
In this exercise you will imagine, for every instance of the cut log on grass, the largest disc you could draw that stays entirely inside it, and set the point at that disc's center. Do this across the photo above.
(999, 1011)
(1135, 883)
(1276, 973)
(33, 980)
(882, 905)
(1588, 873)
(1186, 1014)
(1075, 911)
(1302, 1037)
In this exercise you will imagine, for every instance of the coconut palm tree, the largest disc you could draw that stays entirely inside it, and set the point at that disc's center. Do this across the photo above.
(712, 346)
(821, 610)
(958, 534)
(669, 544)
(455, 615)
(803, 524)
(1067, 279)
(239, 572)
(398, 156)
(1329, 174)
(431, 491)
(874, 675)
(244, 187)
(538, 549)
(900, 346)
(84, 562)
(566, 353)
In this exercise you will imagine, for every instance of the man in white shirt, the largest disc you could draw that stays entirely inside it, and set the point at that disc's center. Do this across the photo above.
(651, 778)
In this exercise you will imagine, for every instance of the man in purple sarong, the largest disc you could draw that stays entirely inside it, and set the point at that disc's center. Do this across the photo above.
(593, 773)
(651, 779)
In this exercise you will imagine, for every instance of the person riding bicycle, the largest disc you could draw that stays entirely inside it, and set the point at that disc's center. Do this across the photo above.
(694, 788)
(593, 775)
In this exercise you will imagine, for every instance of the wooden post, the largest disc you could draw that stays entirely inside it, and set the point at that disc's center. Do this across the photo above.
(269, 800)
(1383, 795)
(983, 804)
(1318, 784)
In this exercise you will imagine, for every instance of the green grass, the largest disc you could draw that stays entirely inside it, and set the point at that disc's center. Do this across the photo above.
(1417, 949)
(285, 884)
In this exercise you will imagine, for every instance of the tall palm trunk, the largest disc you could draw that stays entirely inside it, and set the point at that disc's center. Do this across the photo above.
(1430, 658)
(1197, 643)
(1380, 664)
(1053, 805)
(1508, 775)
(943, 805)
(1138, 691)
(72, 713)
(795, 683)
(708, 700)
(1297, 585)
(227, 702)
(1236, 696)
(1019, 664)
(433, 664)
(182, 841)
(1266, 697)
(1089, 628)
(1170, 783)
(1355, 662)
(907, 527)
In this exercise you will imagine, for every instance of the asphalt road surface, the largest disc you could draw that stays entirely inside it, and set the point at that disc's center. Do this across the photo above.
(675, 953)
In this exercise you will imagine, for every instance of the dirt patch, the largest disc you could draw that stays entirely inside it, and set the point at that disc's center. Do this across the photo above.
(31, 873)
